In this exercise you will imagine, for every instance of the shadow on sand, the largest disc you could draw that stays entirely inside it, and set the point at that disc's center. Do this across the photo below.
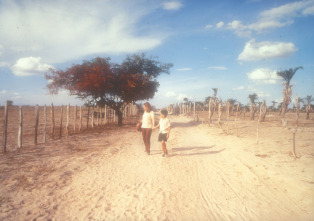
(187, 124)
(192, 151)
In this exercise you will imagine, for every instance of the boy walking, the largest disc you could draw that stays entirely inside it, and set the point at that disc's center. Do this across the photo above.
(164, 131)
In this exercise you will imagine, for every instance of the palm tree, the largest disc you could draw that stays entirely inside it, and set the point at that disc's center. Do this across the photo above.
(232, 103)
(206, 101)
(309, 100)
(253, 108)
(273, 105)
(287, 75)
(215, 91)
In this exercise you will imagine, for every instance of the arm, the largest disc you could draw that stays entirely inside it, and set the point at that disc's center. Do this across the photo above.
(169, 129)
(153, 120)
(156, 126)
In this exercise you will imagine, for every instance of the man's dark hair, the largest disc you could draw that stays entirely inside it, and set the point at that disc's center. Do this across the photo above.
(164, 112)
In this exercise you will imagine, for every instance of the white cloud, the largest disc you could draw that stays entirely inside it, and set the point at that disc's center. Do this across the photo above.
(3, 92)
(170, 94)
(273, 18)
(259, 93)
(240, 88)
(59, 31)
(180, 97)
(4, 64)
(287, 10)
(172, 5)
(308, 11)
(30, 66)
(266, 50)
(1, 50)
(218, 68)
(264, 76)
(208, 26)
(184, 69)
(220, 24)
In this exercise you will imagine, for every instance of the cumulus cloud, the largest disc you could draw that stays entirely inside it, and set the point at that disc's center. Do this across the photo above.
(259, 92)
(240, 88)
(218, 68)
(30, 66)
(3, 64)
(266, 50)
(220, 24)
(208, 26)
(59, 31)
(273, 18)
(184, 69)
(3, 92)
(308, 11)
(180, 97)
(264, 76)
(172, 5)
(170, 94)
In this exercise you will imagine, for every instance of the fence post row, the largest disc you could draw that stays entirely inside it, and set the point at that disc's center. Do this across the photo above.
(5, 127)
(52, 121)
(60, 131)
(36, 123)
(68, 119)
(45, 124)
(20, 134)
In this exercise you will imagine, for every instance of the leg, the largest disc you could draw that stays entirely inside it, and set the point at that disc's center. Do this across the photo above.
(146, 132)
(164, 147)
(148, 135)
(144, 138)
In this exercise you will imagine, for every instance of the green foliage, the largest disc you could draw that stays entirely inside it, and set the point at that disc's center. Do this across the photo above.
(287, 75)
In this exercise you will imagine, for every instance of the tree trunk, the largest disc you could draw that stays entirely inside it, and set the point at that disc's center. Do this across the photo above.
(308, 110)
(120, 117)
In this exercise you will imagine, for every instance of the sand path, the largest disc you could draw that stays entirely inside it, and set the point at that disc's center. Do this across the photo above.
(206, 177)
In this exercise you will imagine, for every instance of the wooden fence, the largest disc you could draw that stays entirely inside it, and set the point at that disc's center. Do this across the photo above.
(226, 118)
(27, 125)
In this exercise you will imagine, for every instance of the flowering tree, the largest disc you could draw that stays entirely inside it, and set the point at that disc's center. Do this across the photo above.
(102, 82)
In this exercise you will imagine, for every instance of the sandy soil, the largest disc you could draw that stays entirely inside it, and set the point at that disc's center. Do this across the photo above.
(208, 176)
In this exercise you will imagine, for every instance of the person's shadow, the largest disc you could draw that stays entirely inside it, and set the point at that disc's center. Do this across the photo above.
(192, 151)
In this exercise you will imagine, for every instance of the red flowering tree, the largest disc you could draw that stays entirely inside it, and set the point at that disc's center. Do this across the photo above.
(101, 82)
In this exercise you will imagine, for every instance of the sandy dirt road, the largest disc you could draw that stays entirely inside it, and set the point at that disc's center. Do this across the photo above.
(107, 176)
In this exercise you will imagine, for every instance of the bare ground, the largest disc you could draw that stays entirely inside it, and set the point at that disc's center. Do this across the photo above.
(208, 176)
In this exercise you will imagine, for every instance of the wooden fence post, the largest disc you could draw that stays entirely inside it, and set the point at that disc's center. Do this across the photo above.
(52, 120)
(45, 124)
(5, 127)
(75, 116)
(36, 123)
(297, 110)
(60, 131)
(93, 112)
(235, 119)
(81, 118)
(68, 119)
(194, 112)
(105, 113)
(98, 116)
(87, 117)
(293, 148)
(228, 114)
(20, 134)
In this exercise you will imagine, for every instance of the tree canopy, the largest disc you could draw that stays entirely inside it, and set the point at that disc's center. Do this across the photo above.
(101, 82)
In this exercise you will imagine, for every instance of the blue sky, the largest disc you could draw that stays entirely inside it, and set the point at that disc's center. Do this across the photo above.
(236, 46)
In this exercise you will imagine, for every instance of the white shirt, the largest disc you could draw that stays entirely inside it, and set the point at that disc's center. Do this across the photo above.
(164, 125)
(148, 119)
